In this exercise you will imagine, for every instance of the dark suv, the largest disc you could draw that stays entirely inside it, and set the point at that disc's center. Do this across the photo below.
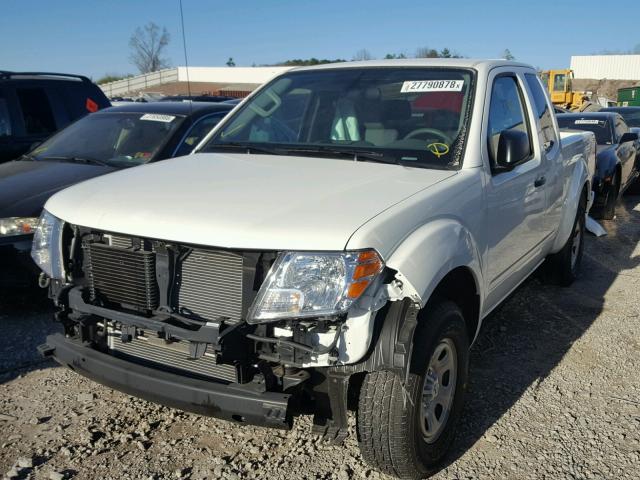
(35, 105)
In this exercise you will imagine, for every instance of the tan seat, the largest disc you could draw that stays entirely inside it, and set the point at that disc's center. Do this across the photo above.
(378, 135)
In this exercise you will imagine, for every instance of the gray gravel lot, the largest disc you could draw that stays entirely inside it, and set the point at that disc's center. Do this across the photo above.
(554, 393)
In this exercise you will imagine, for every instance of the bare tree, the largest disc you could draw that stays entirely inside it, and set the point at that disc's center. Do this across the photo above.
(147, 46)
(363, 55)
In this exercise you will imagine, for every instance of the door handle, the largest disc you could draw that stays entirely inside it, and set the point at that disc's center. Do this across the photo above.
(539, 182)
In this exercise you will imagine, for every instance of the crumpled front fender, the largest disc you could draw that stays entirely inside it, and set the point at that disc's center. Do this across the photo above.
(430, 253)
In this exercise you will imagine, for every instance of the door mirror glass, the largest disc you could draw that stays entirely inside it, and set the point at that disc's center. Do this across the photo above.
(513, 148)
(629, 137)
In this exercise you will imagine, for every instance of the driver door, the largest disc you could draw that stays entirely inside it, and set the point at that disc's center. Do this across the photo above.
(516, 198)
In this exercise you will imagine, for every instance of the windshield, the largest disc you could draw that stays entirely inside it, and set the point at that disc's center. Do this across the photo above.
(631, 117)
(114, 139)
(411, 116)
(601, 128)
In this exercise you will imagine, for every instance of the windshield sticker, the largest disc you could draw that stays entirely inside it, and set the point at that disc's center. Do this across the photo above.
(438, 149)
(584, 121)
(432, 86)
(156, 117)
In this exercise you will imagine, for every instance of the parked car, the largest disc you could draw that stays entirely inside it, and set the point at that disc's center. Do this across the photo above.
(111, 139)
(195, 98)
(631, 115)
(35, 105)
(335, 242)
(616, 168)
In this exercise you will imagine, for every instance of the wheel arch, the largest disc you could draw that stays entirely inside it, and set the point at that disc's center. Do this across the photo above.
(578, 187)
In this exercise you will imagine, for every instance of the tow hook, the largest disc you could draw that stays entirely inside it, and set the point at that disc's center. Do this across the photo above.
(43, 280)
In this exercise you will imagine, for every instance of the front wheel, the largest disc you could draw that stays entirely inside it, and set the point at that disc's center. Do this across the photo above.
(405, 430)
(609, 209)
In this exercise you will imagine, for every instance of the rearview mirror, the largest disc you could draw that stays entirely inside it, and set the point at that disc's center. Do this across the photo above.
(629, 137)
(513, 148)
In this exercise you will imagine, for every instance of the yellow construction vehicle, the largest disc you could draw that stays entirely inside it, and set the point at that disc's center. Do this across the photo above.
(559, 84)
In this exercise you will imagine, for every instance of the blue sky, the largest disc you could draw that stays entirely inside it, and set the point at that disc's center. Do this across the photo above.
(91, 37)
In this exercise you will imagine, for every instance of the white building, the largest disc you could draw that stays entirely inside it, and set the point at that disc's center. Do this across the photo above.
(611, 67)
(211, 79)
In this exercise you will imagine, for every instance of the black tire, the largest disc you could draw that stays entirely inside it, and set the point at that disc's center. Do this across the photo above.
(564, 267)
(390, 434)
(609, 209)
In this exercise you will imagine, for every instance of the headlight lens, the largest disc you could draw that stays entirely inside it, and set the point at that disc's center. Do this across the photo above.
(314, 284)
(46, 249)
(15, 226)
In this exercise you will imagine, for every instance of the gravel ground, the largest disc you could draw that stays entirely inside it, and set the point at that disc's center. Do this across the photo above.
(555, 393)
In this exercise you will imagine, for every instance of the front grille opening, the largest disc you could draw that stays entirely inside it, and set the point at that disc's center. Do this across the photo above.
(147, 349)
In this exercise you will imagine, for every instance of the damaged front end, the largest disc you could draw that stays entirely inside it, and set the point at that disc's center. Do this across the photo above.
(246, 336)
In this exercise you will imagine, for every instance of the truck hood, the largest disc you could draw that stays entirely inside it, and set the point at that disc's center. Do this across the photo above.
(25, 185)
(243, 201)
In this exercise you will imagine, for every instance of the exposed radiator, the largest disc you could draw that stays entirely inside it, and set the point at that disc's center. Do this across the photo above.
(210, 285)
(124, 276)
(207, 284)
(149, 349)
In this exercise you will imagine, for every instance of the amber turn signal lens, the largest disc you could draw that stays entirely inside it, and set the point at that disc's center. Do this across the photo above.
(366, 270)
(356, 289)
(369, 263)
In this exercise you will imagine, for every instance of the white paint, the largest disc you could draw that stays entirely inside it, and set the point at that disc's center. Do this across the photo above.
(243, 201)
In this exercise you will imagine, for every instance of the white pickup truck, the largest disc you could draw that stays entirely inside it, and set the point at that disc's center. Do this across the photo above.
(333, 245)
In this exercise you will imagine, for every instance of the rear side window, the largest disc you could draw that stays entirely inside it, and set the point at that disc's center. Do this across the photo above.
(5, 120)
(543, 112)
(36, 111)
(506, 112)
(81, 99)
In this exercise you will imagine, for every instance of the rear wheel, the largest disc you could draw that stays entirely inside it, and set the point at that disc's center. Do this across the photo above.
(405, 430)
(564, 266)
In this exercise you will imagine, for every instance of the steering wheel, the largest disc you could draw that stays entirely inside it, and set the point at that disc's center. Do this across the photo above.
(433, 131)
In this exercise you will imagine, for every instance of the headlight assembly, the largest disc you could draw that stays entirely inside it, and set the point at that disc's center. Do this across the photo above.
(46, 249)
(14, 226)
(302, 284)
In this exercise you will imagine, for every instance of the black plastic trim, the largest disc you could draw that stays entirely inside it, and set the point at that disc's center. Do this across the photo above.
(267, 409)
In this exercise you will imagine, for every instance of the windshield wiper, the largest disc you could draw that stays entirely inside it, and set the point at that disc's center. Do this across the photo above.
(76, 159)
(243, 146)
(354, 153)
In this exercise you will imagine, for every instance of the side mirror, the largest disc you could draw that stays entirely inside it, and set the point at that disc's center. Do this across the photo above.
(629, 137)
(513, 148)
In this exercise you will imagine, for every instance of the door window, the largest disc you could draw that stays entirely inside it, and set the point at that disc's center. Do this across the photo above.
(36, 111)
(5, 120)
(621, 129)
(506, 112)
(559, 82)
(543, 111)
(197, 133)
